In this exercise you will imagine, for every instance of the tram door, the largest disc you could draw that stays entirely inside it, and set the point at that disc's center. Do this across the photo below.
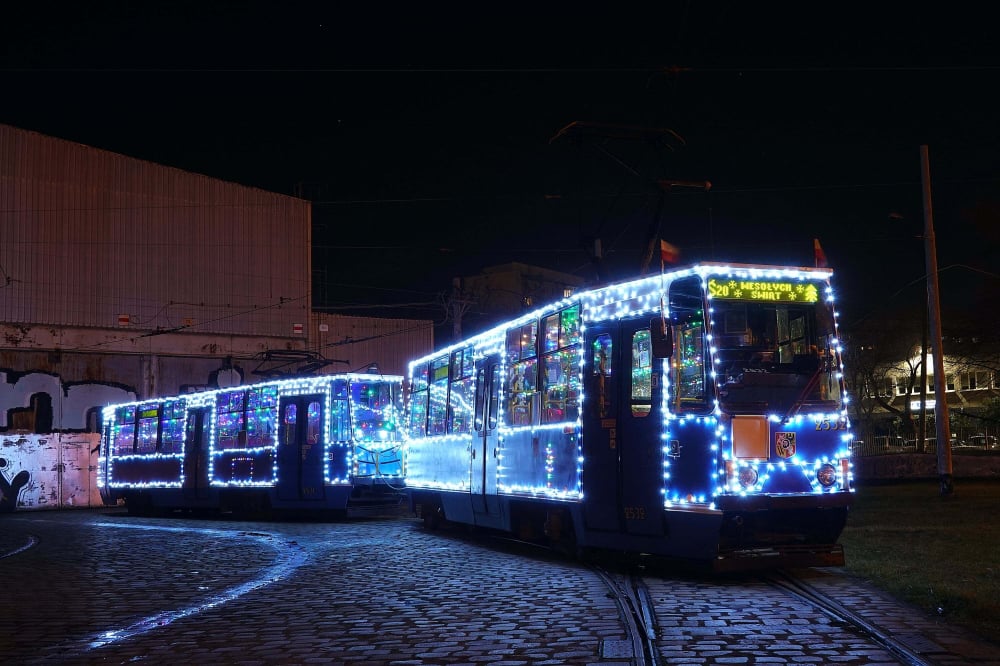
(196, 484)
(485, 454)
(640, 429)
(601, 454)
(623, 462)
(300, 447)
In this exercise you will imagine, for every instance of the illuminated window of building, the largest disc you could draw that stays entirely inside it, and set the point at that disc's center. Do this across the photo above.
(975, 380)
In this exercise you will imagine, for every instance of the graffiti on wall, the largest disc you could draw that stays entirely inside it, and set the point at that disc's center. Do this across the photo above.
(68, 405)
(11, 487)
(50, 471)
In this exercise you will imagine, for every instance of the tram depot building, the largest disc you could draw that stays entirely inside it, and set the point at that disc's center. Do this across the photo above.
(121, 279)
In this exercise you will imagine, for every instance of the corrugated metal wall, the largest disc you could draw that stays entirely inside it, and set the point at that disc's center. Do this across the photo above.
(390, 343)
(87, 235)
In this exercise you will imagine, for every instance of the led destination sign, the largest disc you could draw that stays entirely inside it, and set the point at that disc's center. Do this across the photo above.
(776, 291)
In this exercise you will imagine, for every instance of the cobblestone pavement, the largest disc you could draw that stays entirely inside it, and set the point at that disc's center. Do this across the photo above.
(744, 620)
(100, 587)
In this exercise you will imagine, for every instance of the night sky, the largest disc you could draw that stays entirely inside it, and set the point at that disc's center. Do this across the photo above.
(427, 138)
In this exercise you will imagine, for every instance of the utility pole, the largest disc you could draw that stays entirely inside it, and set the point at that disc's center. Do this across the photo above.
(942, 426)
(922, 423)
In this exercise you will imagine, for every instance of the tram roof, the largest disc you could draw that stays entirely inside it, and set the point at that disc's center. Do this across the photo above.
(306, 380)
(632, 297)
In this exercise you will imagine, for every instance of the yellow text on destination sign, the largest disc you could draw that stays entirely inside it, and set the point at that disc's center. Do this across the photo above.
(778, 291)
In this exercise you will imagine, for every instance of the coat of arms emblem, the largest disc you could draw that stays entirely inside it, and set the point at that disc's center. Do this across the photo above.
(784, 444)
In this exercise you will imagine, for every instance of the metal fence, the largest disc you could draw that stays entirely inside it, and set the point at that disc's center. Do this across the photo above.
(976, 441)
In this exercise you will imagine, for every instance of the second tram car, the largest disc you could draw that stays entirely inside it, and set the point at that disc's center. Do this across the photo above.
(328, 443)
(698, 414)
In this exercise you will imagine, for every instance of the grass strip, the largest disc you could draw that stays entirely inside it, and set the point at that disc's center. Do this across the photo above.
(940, 553)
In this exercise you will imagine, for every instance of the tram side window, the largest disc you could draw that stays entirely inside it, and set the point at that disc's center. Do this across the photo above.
(172, 428)
(642, 374)
(688, 366)
(340, 417)
(149, 424)
(601, 364)
(124, 431)
(561, 366)
(478, 417)
(229, 432)
(437, 408)
(314, 423)
(340, 420)
(461, 394)
(493, 413)
(418, 401)
(522, 380)
(289, 419)
(262, 411)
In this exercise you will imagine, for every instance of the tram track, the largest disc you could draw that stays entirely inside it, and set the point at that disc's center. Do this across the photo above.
(632, 597)
(794, 586)
(634, 607)
(627, 585)
(639, 617)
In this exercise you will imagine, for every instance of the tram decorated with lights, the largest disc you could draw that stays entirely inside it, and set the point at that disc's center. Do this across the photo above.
(326, 443)
(699, 413)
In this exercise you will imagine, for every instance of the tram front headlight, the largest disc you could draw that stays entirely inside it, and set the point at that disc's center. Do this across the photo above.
(748, 477)
(826, 475)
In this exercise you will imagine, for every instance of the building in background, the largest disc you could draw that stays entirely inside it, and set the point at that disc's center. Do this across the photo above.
(891, 377)
(370, 344)
(124, 279)
(505, 291)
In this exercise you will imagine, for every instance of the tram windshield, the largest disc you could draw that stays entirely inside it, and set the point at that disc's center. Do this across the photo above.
(376, 416)
(775, 356)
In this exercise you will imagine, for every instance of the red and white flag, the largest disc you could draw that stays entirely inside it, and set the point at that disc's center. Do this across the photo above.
(668, 253)
(820, 255)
